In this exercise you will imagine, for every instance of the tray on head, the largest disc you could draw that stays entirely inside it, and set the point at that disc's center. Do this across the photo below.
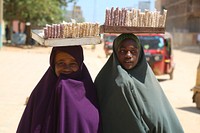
(38, 35)
(128, 29)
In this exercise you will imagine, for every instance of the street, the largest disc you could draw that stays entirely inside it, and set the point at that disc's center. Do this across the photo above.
(22, 68)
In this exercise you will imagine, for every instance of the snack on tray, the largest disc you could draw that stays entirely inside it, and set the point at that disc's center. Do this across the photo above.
(71, 30)
(134, 18)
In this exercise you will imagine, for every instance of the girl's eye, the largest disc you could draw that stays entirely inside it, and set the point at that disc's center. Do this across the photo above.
(60, 64)
(74, 64)
(122, 51)
(132, 51)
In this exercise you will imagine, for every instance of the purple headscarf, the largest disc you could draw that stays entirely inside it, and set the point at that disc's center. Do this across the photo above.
(64, 104)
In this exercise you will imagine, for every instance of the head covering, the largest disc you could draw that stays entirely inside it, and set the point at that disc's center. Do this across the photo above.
(122, 37)
(132, 101)
(77, 54)
(64, 104)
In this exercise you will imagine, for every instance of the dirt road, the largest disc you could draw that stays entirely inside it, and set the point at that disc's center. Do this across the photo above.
(178, 90)
(22, 68)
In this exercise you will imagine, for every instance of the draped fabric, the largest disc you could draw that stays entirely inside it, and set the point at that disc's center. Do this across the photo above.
(64, 104)
(132, 101)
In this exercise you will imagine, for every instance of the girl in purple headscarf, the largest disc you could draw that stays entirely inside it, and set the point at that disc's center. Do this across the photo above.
(64, 101)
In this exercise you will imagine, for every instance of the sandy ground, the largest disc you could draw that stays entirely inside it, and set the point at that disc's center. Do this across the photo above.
(22, 68)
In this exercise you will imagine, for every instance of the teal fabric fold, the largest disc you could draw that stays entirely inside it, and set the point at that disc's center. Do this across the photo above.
(132, 101)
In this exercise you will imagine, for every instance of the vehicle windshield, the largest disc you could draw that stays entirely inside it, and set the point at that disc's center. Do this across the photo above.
(110, 38)
(151, 42)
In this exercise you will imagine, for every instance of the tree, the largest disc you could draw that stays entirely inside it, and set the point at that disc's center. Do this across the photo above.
(38, 12)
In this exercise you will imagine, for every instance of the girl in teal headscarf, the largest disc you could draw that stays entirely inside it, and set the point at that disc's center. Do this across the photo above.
(130, 97)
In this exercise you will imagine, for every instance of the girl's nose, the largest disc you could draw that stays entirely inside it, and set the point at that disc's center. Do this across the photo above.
(128, 54)
(67, 66)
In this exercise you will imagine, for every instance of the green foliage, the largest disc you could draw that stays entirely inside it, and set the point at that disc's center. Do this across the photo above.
(38, 12)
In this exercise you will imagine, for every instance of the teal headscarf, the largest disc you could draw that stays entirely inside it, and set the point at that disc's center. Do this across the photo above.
(122, 37)
(133, 101)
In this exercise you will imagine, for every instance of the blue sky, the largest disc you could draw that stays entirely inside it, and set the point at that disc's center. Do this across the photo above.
(94, 10)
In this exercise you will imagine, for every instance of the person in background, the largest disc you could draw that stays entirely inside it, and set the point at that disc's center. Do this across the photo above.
(18, 38)
(130, 97)
(7, 34)
(64, 100)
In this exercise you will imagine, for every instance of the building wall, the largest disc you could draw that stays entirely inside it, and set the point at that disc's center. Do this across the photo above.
(180, 39)
(158, 5)
(183, 20)
(194, 16)
(183, 15)
(195, 7)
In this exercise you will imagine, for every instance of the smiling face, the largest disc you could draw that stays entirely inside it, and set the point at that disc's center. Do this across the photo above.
(65, 63)
(128, 53)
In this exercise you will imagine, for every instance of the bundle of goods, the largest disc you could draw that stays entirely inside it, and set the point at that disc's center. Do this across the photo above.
(66, 34)
(134, 17)
(71, 30)
(133, 20)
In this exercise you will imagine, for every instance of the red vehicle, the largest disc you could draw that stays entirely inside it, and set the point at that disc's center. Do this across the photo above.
(158, 52)
(108, 43)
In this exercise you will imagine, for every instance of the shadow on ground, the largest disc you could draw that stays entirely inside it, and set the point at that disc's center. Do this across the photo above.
(23, 46)
(26, 48)
(191, 109)
(162, 80)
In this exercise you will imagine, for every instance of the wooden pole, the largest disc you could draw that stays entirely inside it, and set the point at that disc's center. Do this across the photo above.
(1, 23)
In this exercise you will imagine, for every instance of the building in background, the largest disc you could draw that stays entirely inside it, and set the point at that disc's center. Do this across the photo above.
(182, 16)
(183, 19)
(158, 5)
(146, 5)
(75, 13)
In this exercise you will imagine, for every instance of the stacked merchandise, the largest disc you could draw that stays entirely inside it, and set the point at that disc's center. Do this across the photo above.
(116, 21)
(68, 34)
(134, 18)
(71, 30)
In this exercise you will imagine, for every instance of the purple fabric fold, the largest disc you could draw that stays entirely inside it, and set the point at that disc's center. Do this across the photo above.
(64, 104)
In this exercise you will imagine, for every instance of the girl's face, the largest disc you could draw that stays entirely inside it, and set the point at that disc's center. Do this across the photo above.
(128, 54)
(65, 63)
